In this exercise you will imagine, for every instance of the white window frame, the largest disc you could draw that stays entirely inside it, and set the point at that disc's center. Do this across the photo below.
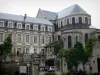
(18, 24)
(3, 23)
(49, 29)
(26, 26)
(42, 27)
(34, 27)
(11, 26)
(34, 40)
(26, 38)
(18, 38)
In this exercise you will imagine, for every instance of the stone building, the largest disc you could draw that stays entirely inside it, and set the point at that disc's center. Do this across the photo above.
(32, 35)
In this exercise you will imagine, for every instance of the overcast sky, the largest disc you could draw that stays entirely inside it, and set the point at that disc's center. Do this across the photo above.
(30, 7)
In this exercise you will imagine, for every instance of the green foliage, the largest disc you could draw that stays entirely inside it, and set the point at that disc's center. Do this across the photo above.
(57, 48)
(6, 47)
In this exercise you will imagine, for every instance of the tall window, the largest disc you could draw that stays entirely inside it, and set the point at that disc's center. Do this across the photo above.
(76, 38)
(19, 26)
(27, 50)
(10, 25)
(1, 23)
(86, 38)
(27, 27)
(80, 20)
(69, 42)
(68, 21)
(86, 20)
(27, 38)
(61, 23)
(19, 38)
(42, 39)
(59, 37)
(1, 37)
(35, 39)
(73, 20)
(50, 39)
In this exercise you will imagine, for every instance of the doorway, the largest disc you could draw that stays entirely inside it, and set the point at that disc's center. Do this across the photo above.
(98, 62)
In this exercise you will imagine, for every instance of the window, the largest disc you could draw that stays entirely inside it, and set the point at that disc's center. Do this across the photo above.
(18, 51)
(59, 37)
(1, 37)
(68, 21)
(27, 38)
(50, 29)
(43, 51)
(69, 42)
(10, 25)
(86, 38)
(98, 36)
(61, 23)
(35, 50)
(1, 23)
(35, 39)
(19, 38)
(19, 26)
(73, 20)
(80, 20)
(43, 28)
(42, 40)
(27, 27)
(76, 38)
(35, 28)
(86, 20)
(50, 39)
(27, 50)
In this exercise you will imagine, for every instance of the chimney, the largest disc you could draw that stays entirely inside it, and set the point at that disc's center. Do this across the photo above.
(25, 16)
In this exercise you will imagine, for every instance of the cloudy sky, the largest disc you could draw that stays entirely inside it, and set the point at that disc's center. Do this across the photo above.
(30, 7)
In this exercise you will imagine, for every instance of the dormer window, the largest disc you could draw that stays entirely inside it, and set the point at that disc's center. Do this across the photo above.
(42, 28)
(49, 29)
(19, 25)
(1, 23)
(35, 27)
(27, 26)
(10, 24)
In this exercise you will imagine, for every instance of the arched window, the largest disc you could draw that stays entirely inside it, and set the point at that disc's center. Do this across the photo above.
(69, 42)
(61, 23)
(86, 38)
(67, 21)
(80, 20)
(90, 21)
(86, 20)
(73, 20)
(76, 39)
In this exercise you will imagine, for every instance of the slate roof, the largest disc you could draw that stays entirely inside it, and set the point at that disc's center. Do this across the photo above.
(21, 18)
(50, 15)
(74, 9)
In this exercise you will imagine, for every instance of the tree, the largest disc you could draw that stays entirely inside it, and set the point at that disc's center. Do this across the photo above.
(6, 47)
(57, 48)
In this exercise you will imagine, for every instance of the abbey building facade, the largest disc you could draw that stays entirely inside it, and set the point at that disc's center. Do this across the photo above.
(32, 35)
